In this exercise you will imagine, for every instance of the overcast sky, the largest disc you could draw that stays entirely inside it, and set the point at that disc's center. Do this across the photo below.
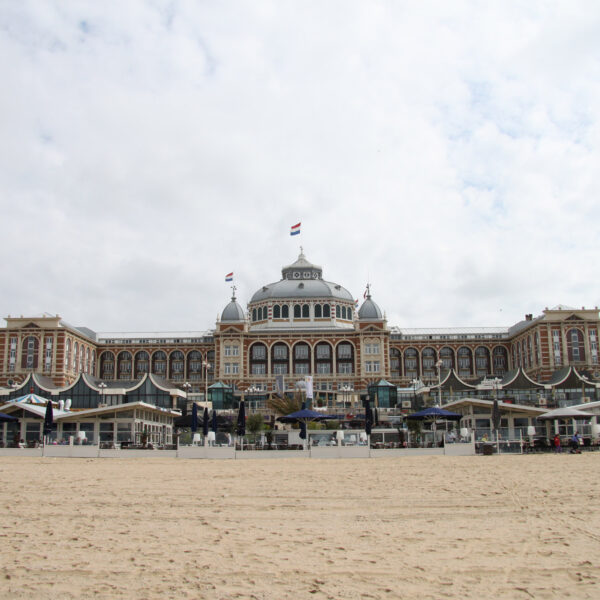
(446, 152)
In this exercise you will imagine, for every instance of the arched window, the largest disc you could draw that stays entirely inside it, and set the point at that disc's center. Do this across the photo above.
(159, 363)
(142, 364)
(428, 362)
(345, 358)
(253, 314)
(338, 311)
(194, 365)
(81, 367)
(258, 359)
(87, 360)
(29, 353)
(326, 311)
(323, 359)
(297, 311)
(124, 365)
(301, 359)
(305, 313)
(482, 361)
(279, 359)
(500, 355)
(411, 367)
(318, 311)
(68, 354)
(575, 345)
(93, 367)
(395, 362)
(75, 356)
(107, 365)
(465, 362)
(277, 311)
(285, 312)
(447, 358)
(176, 363)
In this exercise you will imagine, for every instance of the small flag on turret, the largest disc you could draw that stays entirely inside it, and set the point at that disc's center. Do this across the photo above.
(229, 276)
(295, 230)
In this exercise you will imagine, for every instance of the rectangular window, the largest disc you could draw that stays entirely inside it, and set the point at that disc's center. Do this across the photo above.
(259, 352)
(323, 368)
(232, 351)
(232, 368)
(372, 366)
(323, 351)
(280, 352)
(344, 351)
(259, 369)
(301, 352)
(371, 348)
(302, 369)
(280, 369)
(345, 368)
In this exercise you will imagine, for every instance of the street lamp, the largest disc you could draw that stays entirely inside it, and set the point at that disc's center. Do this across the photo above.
(439, 364)
(206, 366)
(186, 388)
(253, 389)
(102, 387)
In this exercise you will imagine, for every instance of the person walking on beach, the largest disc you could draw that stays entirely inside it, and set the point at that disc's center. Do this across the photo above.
(557, 447)
(575, 444)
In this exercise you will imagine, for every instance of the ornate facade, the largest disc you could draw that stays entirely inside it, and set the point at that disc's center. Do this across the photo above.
(303, 325)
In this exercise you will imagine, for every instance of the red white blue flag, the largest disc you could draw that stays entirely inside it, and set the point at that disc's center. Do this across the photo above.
(229, 276)
(295, 230)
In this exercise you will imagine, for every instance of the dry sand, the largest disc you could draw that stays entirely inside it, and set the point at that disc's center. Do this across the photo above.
(422, 527)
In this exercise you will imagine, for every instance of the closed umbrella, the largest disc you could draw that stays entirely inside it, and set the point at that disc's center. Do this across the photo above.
(194, 425)
(48, 419)
(368, 417)
(241, 423)
(205, 425)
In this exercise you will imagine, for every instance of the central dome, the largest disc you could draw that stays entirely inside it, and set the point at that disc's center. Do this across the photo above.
(302, 299)
(301, 280)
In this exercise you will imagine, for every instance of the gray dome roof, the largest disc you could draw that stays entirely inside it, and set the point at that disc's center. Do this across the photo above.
(233, 312)
(301, 279)
(370, 310)
(315, 288)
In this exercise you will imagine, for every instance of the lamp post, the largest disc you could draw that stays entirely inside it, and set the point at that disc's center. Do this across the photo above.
(439, 364)
(206, 366)
(186, 388)
(102, 387)
(251, 391)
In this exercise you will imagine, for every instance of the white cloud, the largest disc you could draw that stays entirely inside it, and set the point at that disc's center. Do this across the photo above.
(445, 152)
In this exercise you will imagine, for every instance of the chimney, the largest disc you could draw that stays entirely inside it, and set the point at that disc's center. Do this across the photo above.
(529, 317)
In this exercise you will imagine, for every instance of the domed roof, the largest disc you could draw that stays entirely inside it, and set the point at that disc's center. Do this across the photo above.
(233, 312)
(301, 279)
(369, 310)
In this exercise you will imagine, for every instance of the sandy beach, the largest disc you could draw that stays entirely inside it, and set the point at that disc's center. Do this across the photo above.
(419, 527)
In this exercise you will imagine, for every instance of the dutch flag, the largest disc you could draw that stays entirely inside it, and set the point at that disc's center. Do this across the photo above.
(295, 229)
(229, 276)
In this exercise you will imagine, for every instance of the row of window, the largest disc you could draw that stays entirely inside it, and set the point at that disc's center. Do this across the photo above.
(302, 311)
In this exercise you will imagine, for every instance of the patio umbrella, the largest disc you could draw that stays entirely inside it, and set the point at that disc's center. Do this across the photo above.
(375, 416)
(303, 417)
(566, 413)
(433, 415)
(496, 422)
(48, 419)
(4, 418)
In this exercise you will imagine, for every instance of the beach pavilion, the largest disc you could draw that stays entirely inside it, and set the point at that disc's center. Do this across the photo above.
(515, 419)
(119, 425)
